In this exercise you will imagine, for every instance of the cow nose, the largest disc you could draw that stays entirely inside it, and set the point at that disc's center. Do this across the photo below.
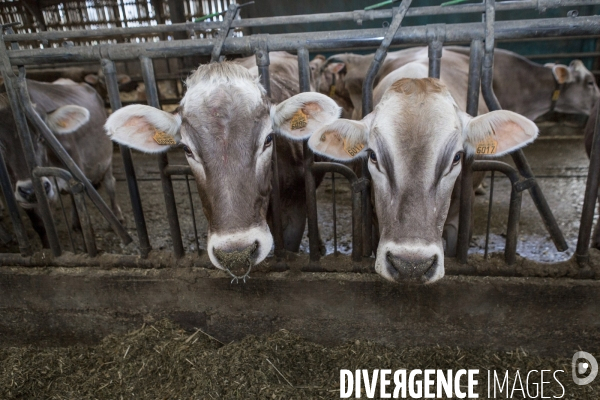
(26, 193)
(404, 268)
(237, 260)
(47, 187)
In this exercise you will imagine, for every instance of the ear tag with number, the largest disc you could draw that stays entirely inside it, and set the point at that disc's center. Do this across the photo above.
(354, 150)
(299, 120)
(487, 147)
(163, 139)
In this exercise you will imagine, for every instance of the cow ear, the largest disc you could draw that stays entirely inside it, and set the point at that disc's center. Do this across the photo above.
(67, 119)
(303, 114)
(498, 132)
(336, 67)
(144, 128)
(561, 73)
(91, 79)
(342, 140)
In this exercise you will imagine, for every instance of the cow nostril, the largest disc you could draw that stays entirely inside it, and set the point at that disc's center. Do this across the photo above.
(25, 191)
(408, 268)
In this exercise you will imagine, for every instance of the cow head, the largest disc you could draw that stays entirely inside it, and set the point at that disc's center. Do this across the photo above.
(579, 90)
(415, 140)
(225, 126)
(64, 120)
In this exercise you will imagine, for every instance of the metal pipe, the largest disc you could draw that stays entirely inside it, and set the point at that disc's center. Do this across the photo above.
(309, 158)
(345, 39)
(223, 32)
(436, 35)
(591, 196)
(466, 182)
(110, 75)
(163, 162)
(358, 186)
(518, 156)
(13, 209)
(263, 62)
(358, 15)
(489, 217)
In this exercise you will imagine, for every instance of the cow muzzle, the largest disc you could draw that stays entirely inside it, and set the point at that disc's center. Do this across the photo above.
(238, 252)
(410, 264)
(25, 194)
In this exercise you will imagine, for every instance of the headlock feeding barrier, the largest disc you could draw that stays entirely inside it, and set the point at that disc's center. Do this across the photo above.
(221, 42)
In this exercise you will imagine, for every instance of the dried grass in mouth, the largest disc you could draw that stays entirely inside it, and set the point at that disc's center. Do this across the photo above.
(162, 361)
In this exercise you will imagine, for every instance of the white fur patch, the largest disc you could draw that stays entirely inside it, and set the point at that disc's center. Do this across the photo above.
(241, 239)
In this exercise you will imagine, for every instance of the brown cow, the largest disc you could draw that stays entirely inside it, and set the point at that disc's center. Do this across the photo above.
(225, 125)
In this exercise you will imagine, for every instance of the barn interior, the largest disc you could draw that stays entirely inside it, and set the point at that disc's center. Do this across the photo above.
(142, 296)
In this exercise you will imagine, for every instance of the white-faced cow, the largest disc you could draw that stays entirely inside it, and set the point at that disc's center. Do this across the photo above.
(415, 139)
(225, 124)
(75, 114)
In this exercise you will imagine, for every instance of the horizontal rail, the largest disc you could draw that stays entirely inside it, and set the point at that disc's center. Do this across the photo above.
(358, 16)
(345, 39)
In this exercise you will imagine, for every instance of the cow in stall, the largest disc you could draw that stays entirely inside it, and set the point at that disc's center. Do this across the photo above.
(76, 115)
(415, 140)
(226, 124)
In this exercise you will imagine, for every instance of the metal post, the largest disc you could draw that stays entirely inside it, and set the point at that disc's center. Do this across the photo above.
(466, 179)
(163, 162)
(309, 158)
(110, 74)
(591, 194)
(518, 156)
(435, 35)
(262, 61)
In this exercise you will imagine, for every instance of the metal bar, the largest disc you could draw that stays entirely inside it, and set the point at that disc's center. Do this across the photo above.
(357, 15)
(187, 182)
(223, 32)
(489, 217)
(358, 186)
(110, 74)
(436, 38)
(62, 207)
(591, 196)
(309, 158)
(518, 156)
(262, 61)
(466, 180)
(163, 162)
(13, 209)
(334, 214)
(345, 39)
(66, 159)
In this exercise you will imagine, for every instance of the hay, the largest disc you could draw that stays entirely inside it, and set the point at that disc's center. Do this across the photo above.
(162, 361)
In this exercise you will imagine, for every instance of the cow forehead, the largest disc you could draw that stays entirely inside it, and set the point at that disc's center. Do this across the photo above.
(409, 122)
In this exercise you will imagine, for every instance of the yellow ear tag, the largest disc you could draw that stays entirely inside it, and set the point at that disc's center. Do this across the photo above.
(299, 120)
(555, 95)
(163, 139)
(489, 146)
(332, 91)
(352, 151)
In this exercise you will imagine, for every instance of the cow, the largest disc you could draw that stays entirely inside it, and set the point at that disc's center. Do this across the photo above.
(588, 138)
(225, 124)
(75, 114)
(415, 140)
(520, 85)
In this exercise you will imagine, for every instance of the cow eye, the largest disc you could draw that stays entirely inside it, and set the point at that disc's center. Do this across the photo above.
(187, 151)
(268, 140)
(457, 158)
(373, 157)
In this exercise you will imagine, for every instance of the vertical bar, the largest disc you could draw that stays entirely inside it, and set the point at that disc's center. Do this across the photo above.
(110, 74)
(62, 206)
(163, 162)
(518, 156)
(13, 209)
(466, 183)
(187, 182)
(489, 217)
(334, 216)
(435, 57)
(309, 158)
(84, 219)
(591, 194)
(262, 61)
(357, 222)
(367, 213)
(512, 227)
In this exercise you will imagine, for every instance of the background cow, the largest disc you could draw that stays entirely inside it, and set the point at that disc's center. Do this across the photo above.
(225, 125)
(76, 114)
